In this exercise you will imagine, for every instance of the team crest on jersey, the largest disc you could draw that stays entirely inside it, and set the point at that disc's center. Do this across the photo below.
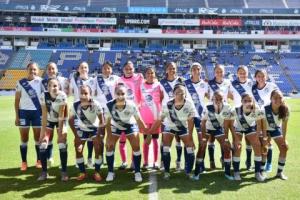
(245, 125)
(36, 81)
(272, 125)
(111, 78)
(149, 98)
(31, 93)
(186, 110)
(170, 94)
(129, 92)
(202, 85)
(249, 84)
(195, 98)
(225, 114)
(267, 90)
(127, 112)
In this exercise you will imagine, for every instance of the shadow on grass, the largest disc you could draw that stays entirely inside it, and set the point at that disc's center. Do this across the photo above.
(13, 180)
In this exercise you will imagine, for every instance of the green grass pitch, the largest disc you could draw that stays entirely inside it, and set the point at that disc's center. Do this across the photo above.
(17, 185)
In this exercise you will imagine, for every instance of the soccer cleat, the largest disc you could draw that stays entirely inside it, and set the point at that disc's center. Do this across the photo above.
(123, 166)
(97, 177)
(281, 176)
(237, 176)
(110, 176)
(64, 177)
(138, 177)
(268, 167)
(259, 177)
(167, 176)
(248, 167)
(162, 167)
(90, 163)
(23, 166)
(50, 162)
(38, 164)
(43, 176)
(212, 165)
(145, 167)
(155, 166)
(228, 177)
(196, 177)
(178, 166)
(81, 176)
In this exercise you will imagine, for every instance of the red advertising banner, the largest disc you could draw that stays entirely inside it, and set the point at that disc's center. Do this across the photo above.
(221, 22)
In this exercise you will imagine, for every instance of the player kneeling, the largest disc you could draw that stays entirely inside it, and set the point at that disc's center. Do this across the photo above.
(90, 125)
(54, 115)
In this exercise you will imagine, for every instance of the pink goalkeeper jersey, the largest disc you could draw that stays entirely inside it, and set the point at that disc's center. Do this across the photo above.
(133, 85)
(150, 102)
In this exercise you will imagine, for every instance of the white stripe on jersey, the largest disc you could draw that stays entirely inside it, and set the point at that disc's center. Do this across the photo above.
(25, 100)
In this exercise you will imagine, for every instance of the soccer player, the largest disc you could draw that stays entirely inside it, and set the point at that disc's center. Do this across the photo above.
(106, 83)
(248, 122)
(197, 90)
(276, 116)
(122, 115)
(222, 84)
(167, 84)
(237, 88)
(81, 77)
(54, 107)
(52, 72)
(132, 81)
(179, 113)
(89, 114)
(28, 111)
(151, 98)
(261, 91)
(216, 121)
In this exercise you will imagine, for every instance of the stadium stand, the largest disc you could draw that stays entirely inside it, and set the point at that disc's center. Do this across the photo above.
(226, 4)
(265, 4)
(5, 58)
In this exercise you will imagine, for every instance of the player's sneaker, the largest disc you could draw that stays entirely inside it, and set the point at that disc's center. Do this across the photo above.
(237, 176)
(167, 175)
(259, 177)
(90, 163)
(97, 177)
(162, 167)
(229, 177)
(81, 176)
(155, 166)
(110, 176)
(64, 176)
(281, 176)
(145, 167)
(138, 177)
(196, 177)
(248, 166)
(268, 167)
(23, 166)
(50, 162)
(123, 166)
(43, 176)
(178, 166)
(38, 164)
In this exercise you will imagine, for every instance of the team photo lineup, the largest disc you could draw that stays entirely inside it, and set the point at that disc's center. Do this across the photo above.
(108, 108)
(149, 100)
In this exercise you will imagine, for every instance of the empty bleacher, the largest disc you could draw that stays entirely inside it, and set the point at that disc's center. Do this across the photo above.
(226, 4)
(186, 4)
(109, 3)
(265, 4)
(146, 3)
(293, 3)
(5, 57)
